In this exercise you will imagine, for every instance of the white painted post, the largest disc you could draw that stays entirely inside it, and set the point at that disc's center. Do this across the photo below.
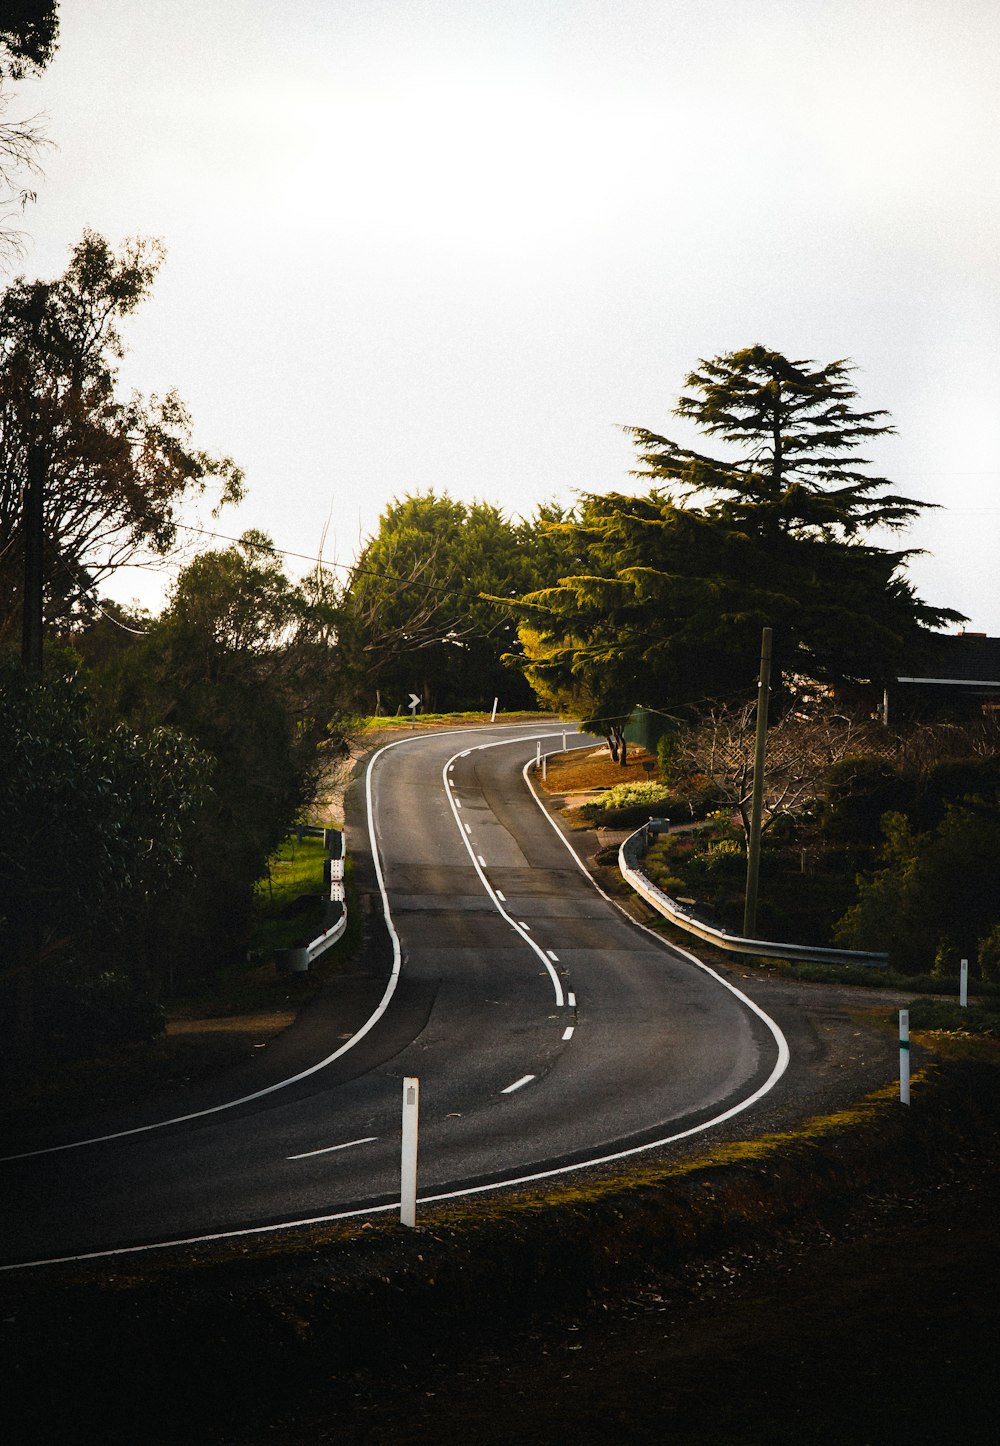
(963, 984)
(545, 767)
(408, 1170)
(538, 755)
(564, 740)
(904, 1056)
(493, 715)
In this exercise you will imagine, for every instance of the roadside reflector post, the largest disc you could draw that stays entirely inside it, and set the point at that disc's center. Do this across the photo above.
(963, 984)
(493, 715)
(545, 766)
(904, 1056)
(408, 1171)
(564, 740)
(538, 755)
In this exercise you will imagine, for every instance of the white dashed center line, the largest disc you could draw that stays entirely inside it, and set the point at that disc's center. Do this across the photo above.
(568, 1032)
(518, 1084)
(571, 1000)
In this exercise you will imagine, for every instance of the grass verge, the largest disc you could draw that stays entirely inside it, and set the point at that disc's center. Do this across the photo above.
(208, 1032)
(247, 1326)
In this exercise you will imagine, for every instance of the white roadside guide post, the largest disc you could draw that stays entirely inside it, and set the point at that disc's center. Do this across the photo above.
(904, 1056)
(963, 984)
(493, 715)
(408, 1171)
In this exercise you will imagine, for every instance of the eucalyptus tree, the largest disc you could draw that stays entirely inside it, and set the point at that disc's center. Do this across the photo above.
(89, 480)
(29, 30)
(238, 664)
(28, 34)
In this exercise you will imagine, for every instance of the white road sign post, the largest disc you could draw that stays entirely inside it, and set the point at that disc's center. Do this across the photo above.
(414, 705)
(904, 1056)
(963, 984)
(408, 1171)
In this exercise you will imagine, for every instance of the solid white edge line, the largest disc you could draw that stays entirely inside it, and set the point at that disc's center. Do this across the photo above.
(781, 1064)
(369, 1024)
(518, 1084)
(329, 1149)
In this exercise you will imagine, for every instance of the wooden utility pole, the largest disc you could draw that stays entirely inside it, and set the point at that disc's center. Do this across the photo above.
(757, 800)
(31, 602)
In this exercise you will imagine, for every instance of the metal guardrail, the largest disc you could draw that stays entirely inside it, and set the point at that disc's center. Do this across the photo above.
(298, 961)
(634, 848)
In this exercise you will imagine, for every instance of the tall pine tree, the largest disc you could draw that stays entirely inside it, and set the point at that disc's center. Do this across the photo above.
(796, 432)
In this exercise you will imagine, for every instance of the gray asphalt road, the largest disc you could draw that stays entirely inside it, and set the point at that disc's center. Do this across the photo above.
(544, 1026)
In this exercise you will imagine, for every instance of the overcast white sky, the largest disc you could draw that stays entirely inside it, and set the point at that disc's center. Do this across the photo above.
(452, 244)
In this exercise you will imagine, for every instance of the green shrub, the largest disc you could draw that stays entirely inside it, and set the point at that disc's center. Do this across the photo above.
(628, 805)
(86, 1017)
(666, 757)
(989, 955)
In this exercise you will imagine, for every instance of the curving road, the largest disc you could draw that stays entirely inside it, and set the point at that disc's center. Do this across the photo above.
(546, 1028)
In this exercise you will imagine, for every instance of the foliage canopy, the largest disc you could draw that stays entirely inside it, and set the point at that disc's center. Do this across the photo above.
(115, 471)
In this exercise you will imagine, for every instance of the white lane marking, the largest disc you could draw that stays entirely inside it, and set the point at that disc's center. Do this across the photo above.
(781, 1063)
(515, 924)
(468, 828)
(329, 1149)
(568, 1032)
(507, 1183)
(518, 1084)
(501, 897)
(524, 925)
(780, 1066)
(553, 957)
(481, 860)
(458, 803)
(571, 1000)
(369, 1024)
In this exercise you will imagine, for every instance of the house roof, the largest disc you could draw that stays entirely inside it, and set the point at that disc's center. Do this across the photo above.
(964, 660)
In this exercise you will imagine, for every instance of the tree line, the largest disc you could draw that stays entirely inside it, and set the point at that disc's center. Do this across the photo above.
(157, 762)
